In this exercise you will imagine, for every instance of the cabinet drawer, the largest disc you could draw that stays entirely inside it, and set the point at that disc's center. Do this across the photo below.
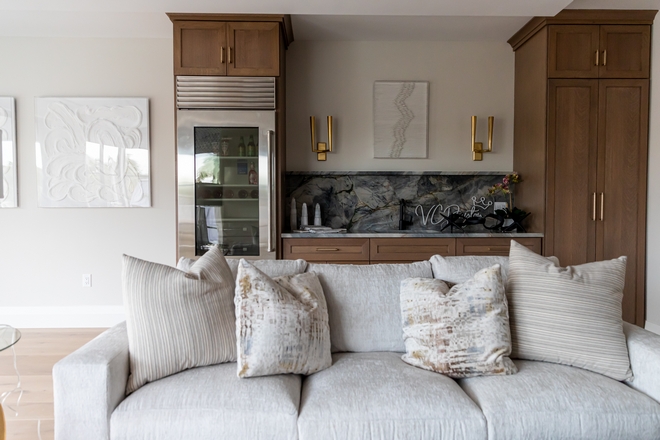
(410, 249)
(494, 246)
(330, 250)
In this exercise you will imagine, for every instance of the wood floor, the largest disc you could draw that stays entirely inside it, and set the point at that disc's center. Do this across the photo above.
(36, 353)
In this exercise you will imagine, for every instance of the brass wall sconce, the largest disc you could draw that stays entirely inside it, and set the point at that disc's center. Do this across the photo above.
(321, 148)
(478, 147)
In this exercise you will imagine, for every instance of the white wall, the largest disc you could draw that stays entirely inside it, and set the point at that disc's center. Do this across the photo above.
(44, 252)
(336, 78)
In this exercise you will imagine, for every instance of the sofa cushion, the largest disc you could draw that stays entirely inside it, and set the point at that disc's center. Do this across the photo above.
(363, 303)
(460, 332)
(378, 396)
(177, 320)
(568, 315)
(551, 401)
(457, 270)
(272, 268)
(281, 323)
(210, 403)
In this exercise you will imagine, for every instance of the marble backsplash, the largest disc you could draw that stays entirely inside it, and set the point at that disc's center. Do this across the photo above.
(370, 201)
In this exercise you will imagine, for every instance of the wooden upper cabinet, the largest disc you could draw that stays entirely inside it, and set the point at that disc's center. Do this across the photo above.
(625, 51)
(226, 48)
(598, 51)
(200, 48)
(572, 51)
(254, 49)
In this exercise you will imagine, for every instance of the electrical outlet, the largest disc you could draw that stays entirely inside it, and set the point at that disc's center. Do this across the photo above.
(87, 280)
(499, 205)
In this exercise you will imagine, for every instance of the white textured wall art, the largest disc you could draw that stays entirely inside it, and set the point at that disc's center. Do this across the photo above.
(401, 119)
(8, 192)
(93, 152)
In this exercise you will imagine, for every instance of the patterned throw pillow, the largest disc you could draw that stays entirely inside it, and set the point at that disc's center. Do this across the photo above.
(177, 320)
(459, 332)
(568, 315)
(281, 323)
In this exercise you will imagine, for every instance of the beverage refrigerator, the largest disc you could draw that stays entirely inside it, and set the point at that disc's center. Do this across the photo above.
(226, 166)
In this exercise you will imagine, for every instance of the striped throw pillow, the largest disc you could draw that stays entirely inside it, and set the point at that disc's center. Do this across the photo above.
(568, 315)
(177, 320)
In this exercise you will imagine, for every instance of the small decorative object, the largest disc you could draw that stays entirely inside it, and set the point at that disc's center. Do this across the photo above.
(304, 218)
(241, 167)
(317, 215)
(253, 178)
(93, 152)
(293, 215)
(321, 148)
(229, 194)
(510, 218)
(478, 147)
(241, 147)
(224, 146)
(8, 193)
(242, 194)
(401, 119)
(254, 194)
(251, 148)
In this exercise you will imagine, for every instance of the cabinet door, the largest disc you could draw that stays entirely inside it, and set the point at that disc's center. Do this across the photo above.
(625, 51)
(494, 245)
(200, 48)
(254, 49)
(572, 51)
(572, 162)
(397, 250)
(327, 250)
(622, 172)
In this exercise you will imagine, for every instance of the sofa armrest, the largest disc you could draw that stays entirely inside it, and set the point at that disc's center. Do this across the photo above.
(88, 385)
(644, 351)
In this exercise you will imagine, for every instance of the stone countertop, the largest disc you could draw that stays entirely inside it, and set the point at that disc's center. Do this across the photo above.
(412, 234)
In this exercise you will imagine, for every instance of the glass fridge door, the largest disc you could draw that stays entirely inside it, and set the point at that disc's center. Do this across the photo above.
(227, 189)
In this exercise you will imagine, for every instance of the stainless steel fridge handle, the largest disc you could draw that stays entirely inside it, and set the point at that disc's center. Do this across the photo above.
(271, 190)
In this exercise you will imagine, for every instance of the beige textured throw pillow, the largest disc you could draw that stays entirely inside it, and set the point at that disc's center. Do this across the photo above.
(177, 320)
(568, 315)
(281, 323)
(459, 332)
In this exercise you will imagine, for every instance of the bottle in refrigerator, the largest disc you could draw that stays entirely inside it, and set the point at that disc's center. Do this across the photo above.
(251, 148)
(253, 177)
(241, 147)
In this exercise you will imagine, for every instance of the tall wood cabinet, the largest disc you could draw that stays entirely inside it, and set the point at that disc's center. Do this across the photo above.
(581, 138)
(245, 45)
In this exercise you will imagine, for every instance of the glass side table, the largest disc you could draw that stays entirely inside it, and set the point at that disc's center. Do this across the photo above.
(8, 337)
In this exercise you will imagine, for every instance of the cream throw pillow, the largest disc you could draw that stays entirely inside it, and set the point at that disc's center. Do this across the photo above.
(459, 332)
(281, 323)
(177, 320)
(568, 315)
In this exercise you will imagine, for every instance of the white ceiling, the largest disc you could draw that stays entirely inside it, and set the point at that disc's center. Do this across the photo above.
(462, 20)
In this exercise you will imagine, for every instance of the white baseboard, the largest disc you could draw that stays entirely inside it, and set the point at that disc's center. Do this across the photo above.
(655, 328)
(62, 317)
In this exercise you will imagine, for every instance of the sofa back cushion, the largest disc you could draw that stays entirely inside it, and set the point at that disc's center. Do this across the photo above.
(363, 303)
(272, 268)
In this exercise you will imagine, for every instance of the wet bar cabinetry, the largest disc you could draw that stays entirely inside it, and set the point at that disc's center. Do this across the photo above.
(581, 138)
(373, 250)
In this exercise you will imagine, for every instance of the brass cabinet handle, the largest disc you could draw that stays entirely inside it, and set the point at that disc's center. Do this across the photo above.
(222, 54)
(327, 249)
(593, 212)
(604, 58)
(229, 55)
(602, 206)
(597, 60)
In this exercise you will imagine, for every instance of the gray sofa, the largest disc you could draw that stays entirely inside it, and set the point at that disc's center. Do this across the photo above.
(368, 392)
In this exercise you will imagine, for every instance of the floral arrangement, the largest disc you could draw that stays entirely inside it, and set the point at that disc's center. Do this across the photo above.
(505, 186)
